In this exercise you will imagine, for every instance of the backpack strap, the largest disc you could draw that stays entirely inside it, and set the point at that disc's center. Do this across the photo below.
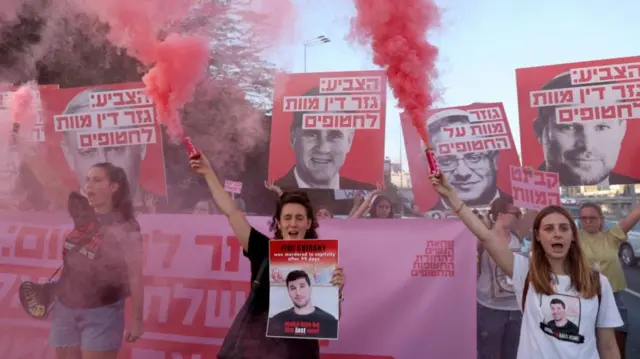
(594, 274)
(525, 291)
(596, 278)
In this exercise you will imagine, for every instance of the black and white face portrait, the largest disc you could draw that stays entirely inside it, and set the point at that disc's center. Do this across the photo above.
(320, 154)
(582, 153)
(473, 174)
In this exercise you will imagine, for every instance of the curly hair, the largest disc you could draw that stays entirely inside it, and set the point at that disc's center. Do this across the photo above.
(302, 199)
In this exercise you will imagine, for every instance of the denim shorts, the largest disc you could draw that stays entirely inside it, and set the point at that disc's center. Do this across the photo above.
(93, 329)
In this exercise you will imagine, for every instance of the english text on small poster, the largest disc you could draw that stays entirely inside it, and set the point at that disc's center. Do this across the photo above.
(302, 302)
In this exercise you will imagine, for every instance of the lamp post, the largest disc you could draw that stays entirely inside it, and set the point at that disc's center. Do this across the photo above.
(318, 40)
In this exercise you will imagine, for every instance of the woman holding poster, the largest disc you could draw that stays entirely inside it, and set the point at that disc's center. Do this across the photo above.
(294, 218)
(569, 311)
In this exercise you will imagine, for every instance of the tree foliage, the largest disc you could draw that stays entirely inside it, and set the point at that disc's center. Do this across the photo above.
(227, 118)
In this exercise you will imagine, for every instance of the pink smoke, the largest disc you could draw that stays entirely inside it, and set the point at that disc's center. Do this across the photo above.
(396, 31)
(180, 64)
(23, 107)
(177, 64)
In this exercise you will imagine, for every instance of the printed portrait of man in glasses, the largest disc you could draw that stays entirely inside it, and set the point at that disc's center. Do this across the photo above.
(473, 175)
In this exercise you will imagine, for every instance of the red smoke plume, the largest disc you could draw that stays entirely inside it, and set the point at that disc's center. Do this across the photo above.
(397, 31)
(179, 62)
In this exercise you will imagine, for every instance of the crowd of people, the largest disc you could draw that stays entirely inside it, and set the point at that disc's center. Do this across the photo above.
(559, 296)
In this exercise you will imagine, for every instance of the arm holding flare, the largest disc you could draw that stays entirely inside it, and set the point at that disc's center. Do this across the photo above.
(237, 220)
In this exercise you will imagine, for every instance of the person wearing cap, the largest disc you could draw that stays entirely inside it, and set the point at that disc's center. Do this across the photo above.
(473, 175)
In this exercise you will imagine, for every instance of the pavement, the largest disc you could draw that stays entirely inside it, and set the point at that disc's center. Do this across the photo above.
(632, 302)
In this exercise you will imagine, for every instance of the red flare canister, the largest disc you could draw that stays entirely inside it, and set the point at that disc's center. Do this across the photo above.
(192, 152)
(431, 160)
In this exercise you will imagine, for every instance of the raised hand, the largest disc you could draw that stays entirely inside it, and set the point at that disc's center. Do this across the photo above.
(441, 184)
(200, 165)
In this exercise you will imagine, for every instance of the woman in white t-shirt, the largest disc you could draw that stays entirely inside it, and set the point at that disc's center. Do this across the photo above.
(569, 311)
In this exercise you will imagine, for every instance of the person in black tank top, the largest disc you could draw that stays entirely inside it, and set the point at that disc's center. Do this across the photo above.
(294, 218)
(102, 267)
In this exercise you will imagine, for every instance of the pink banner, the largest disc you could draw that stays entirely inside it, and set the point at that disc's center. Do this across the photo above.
(410, 289)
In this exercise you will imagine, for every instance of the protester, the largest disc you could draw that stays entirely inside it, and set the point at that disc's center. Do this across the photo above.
(499, 315)
(601, 248)
(323, 212)
(293, 219)
(88, 316)
(556, 270)
(379, 206)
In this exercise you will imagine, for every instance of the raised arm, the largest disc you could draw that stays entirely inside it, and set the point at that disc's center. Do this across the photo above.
(630, 220)
(364, 206)
(497, 249)
(522, 226)
(272, 187)
(357, 201)
(237, 220)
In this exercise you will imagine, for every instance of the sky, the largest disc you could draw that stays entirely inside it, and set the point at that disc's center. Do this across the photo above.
(481, 44)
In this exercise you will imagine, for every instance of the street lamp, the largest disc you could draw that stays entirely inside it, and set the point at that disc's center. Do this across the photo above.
(318, 40)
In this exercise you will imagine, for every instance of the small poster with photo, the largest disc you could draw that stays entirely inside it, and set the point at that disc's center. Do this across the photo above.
(561, 317)
(302, 302)
(501, 284)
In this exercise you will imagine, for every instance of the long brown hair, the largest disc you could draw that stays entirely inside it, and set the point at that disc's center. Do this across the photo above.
(122, 202)
(576, 264)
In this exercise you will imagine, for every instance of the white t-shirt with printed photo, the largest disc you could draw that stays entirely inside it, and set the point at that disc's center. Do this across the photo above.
(563, 325)
(495, 288)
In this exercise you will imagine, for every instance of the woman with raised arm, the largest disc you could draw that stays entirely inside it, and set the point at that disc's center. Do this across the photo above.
(601, 246)
(99, 274)
(294, 218)
(569, 311)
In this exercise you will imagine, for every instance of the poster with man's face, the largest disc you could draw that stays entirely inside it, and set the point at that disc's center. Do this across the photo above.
(474, 149)
(110, 123)
(327, 131)
(578, 120)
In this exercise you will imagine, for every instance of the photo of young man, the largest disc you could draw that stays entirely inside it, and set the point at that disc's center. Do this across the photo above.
(303, 318)
(560, 322)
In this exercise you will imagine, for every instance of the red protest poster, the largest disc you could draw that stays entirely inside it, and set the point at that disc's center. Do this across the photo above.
(302, 301)
(577, 119)
(533, 189)
(109, 123)
(474, 149)
(328, 130)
